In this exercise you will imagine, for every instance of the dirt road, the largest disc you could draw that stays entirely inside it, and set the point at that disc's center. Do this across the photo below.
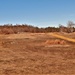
(63, 37)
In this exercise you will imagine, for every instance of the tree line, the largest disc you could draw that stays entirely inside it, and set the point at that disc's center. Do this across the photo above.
(10, 29)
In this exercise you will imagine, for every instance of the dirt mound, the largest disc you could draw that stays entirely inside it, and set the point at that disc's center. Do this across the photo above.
(55, 42)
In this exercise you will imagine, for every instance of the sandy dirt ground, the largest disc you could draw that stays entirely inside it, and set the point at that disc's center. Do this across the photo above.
(63, 37)
(29, 54)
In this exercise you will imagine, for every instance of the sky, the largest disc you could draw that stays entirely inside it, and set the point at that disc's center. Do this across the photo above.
(41, 13)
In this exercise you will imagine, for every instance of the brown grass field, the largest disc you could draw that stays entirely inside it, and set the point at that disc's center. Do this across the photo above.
(37, 54)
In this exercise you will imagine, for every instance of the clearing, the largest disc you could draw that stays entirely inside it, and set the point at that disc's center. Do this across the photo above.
(37, 54)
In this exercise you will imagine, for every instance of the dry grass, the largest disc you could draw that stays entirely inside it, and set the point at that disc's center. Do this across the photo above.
(22, 56)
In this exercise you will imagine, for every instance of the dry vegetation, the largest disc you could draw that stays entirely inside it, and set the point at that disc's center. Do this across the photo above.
(10, 29)
(36, 53)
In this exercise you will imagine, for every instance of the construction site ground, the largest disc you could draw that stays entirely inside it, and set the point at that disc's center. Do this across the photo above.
(37, 54)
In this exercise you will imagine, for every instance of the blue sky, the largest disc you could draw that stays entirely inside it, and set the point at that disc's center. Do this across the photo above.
(41, 13)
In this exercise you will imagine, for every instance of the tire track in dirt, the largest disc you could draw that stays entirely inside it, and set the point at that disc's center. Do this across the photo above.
(63, 37)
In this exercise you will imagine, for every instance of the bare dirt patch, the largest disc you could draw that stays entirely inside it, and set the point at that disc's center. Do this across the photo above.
(56, 43)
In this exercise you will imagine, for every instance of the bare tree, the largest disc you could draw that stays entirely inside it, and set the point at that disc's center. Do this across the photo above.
(70, 26)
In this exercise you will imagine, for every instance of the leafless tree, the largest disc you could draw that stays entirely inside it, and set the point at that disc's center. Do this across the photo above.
(70, 26)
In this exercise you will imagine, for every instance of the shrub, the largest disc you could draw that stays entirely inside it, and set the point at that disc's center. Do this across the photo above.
(7, 31)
